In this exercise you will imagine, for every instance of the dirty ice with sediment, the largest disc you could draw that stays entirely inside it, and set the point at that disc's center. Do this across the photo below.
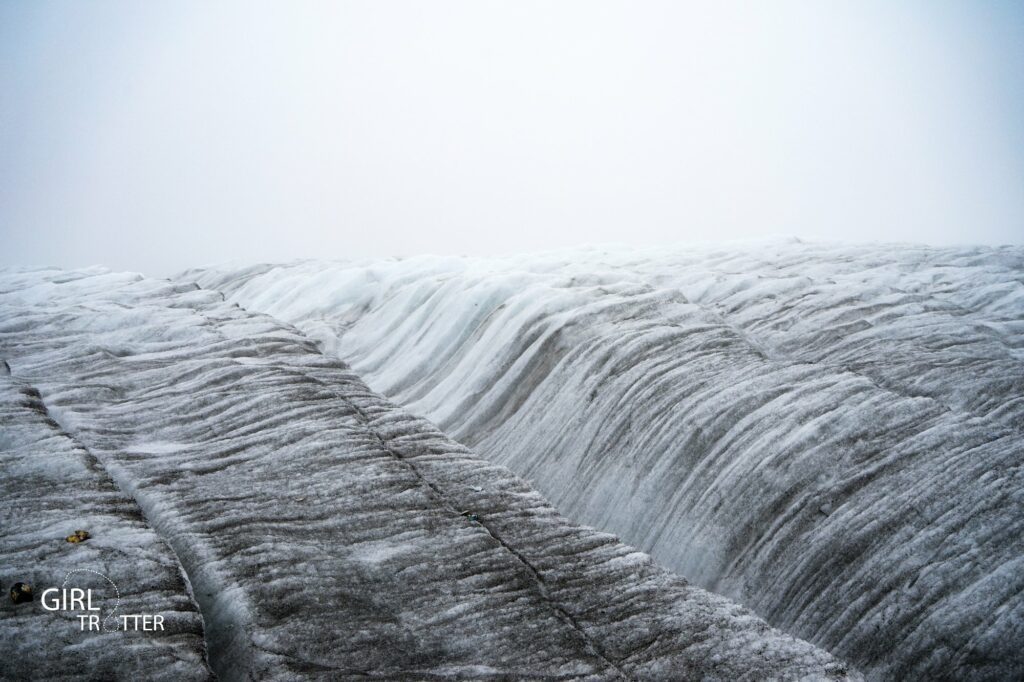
(828, 434)
(232, 474)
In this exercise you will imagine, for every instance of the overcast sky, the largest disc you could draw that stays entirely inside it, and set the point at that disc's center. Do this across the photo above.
(154, 136)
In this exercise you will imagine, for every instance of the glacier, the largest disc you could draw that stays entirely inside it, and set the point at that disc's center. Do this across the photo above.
(828, 433)
(292, 523)
(52, 486)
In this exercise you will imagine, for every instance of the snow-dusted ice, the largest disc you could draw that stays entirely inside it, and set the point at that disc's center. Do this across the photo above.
(51, 486)
(831, 435)
(218, 455)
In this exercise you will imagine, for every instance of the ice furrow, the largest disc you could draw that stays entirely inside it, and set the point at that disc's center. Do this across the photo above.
(53, 486)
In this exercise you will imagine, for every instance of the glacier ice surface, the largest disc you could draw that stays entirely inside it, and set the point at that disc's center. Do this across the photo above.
(324, 531)
(831, 434)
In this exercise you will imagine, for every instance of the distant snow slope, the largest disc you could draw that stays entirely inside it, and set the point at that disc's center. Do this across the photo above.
(831, 434)
(326, 533)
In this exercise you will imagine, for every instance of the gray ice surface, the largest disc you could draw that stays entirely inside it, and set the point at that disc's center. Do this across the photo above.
(51, 486)
(830, 434)
(325, 532)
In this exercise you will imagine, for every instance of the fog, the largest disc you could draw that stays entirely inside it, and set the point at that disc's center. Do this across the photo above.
(154, 137)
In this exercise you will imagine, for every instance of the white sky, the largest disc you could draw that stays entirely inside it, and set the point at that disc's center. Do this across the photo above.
(155, 136)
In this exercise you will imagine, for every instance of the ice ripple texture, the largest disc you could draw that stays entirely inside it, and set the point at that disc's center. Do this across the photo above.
(829, 434)
(50, 487)
(326, 533)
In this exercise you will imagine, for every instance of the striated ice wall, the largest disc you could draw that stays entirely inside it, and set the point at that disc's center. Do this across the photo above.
(830, 434)
(326, 533)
